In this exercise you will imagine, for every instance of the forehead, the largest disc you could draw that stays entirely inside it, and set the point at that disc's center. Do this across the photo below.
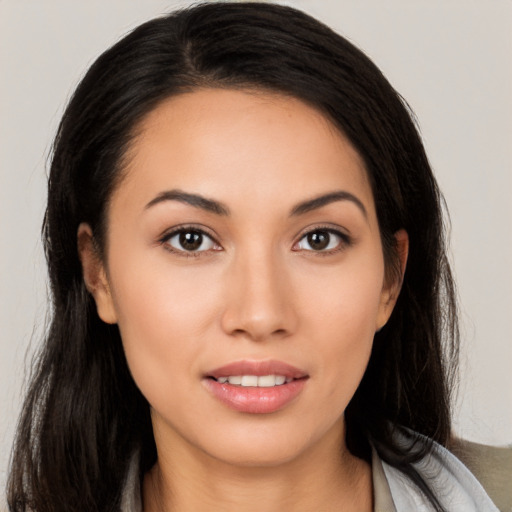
(242, 144)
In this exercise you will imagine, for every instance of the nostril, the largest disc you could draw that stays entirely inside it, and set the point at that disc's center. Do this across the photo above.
(254, 317)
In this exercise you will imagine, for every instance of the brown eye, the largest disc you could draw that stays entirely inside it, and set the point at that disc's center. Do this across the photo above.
(322, 240)
(190, 240)
(318, 240)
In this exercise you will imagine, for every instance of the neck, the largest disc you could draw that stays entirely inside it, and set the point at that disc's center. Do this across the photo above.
(326, 478)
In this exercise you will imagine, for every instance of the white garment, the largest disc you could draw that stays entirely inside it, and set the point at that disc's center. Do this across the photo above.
(451, 482)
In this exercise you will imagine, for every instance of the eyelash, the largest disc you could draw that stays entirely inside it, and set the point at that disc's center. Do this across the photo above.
(345, 241)
(164, 241)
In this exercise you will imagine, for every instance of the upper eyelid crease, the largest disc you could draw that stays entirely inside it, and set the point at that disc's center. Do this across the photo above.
(330, 228)
(346, 238)
(184, 229)
(168, 235)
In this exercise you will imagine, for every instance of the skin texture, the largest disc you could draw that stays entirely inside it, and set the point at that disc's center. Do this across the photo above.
(258, 291)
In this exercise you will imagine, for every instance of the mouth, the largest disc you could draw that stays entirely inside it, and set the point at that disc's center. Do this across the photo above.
(256, 387)
(262, 381)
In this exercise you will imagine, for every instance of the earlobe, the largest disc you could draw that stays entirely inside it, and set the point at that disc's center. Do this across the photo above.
(94, 275)
(391, 290)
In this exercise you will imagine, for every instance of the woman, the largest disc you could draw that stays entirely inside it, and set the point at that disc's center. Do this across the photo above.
(252, 303)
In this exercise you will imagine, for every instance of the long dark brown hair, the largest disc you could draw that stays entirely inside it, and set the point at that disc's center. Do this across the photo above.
(83, 416)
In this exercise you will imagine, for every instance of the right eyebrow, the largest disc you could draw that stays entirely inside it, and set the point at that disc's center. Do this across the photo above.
(195, 200)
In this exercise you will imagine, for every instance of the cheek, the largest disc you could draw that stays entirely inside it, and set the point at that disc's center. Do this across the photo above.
(163, 316)
(168, 316)
(344, 299)
(340, 310)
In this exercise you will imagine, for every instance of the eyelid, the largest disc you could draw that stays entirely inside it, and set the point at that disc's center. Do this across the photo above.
(175, 230)
(346, 239)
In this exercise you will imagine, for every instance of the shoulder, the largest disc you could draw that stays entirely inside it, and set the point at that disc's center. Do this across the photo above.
(449, 479)
(492, 466)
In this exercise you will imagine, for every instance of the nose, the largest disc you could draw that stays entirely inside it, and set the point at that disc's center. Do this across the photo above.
(259, 299)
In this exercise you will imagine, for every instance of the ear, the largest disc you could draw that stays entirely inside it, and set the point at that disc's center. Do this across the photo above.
(391, 288)
(94, 274)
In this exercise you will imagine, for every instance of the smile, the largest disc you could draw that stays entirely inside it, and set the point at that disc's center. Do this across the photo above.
(263, 381)
(256, 387)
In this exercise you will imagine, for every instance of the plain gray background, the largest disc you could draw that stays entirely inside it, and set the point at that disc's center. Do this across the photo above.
(452, 61)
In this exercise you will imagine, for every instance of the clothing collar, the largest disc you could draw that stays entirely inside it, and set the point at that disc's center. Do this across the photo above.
(383, 502)
(450, 481)
(453, 484)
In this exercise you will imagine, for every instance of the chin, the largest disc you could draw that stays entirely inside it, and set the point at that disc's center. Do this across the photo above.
(262, 455)
(269, 445)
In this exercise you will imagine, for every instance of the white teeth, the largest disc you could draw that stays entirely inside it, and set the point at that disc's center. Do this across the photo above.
(266, 381)
(249, 380)
(263, 381)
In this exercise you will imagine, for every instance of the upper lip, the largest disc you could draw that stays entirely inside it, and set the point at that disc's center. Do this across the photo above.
(258, 368)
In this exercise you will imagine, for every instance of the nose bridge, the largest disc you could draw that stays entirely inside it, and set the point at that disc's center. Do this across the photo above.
(259, 304)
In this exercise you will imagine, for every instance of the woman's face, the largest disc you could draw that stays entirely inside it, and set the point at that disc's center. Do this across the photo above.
(243, 251)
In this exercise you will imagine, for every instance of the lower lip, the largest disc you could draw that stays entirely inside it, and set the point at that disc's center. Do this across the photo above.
(255, 400)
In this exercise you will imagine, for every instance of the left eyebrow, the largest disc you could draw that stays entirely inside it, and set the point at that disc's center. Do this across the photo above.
(325, 199)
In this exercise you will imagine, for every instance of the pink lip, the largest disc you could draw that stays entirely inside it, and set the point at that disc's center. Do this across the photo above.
(256, 400)
(258, 368)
